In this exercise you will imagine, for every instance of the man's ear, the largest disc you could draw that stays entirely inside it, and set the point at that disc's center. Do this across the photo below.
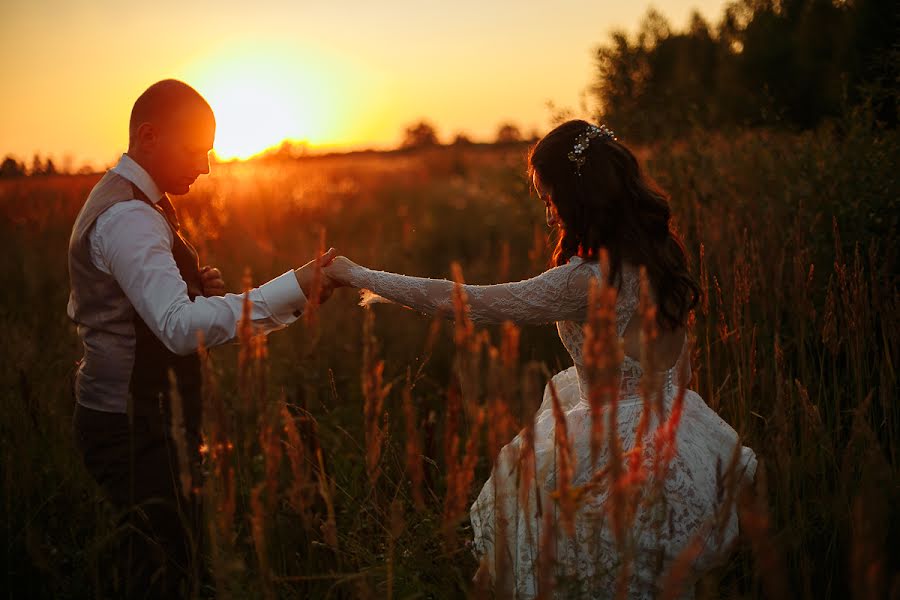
(147, 137)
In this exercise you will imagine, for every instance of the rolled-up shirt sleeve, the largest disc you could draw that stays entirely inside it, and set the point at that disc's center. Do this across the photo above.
(136, 247)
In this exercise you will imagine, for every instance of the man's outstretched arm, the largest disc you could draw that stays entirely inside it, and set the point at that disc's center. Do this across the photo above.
(136, 250)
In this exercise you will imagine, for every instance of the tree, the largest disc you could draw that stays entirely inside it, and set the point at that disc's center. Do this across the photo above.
(508, 133)
(37, 166)
(420, 135)
(11, 168)
(788, 63)
(461, 139)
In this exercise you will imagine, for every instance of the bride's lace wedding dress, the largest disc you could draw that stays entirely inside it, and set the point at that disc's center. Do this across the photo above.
(692, 518)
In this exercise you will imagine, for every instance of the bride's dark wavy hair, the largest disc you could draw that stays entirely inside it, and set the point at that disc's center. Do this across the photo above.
(613, 205)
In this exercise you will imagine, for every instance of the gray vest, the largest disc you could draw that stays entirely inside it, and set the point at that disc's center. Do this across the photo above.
(125, 366)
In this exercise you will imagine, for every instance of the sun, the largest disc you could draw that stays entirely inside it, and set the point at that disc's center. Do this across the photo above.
(261, 97)
(251, 116)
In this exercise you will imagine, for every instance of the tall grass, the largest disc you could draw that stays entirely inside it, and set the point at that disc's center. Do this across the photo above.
(340, 456)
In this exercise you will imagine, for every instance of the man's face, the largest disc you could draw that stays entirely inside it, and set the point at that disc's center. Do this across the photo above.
(180, 152)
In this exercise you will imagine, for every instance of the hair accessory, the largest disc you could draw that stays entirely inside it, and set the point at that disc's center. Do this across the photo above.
(583, 141)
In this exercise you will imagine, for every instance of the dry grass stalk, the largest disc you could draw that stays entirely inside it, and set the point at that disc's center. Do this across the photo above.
(812, 420)
(469, 345)
(532, 384)
(502, 388)
(619, 509)
(326, 489)
(804, 286)
(414, 468)
(603, 355)
(499, 416)
(246, 352)
(724, 331)
(395, 530)
(374, 392)
(451, 431)
(531, 387)
(680, 569)
(459, 480)
(311, 310)
(270, 446)
(704, 282)
(509, 350)
(258, 532)
(462, 397)
(651, 385)
(866, 475)
(464, 330)
(303, 490)
(538, 250)
(831, 335)
(219, 486)
(742, 287)
(566, 495)
(180, 438)
(730, 483)
(783, 412)
(756, 525)
(252, 375)
(547, 556)
(503, 267)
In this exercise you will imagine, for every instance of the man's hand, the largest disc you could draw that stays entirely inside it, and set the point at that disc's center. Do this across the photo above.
(213, 284)
(312, 277)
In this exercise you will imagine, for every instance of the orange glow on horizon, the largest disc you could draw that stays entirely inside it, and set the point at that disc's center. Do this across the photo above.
(336, 76)
(262, 97)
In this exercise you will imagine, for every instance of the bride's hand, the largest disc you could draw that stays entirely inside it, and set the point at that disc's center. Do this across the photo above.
(339, 271)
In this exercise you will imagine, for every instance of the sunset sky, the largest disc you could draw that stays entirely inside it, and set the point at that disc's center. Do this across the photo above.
(340, 74)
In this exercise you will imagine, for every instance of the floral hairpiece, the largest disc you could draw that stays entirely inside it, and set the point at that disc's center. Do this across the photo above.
(583, 141)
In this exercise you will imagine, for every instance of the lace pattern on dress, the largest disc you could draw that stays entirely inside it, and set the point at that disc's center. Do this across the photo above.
(691, 485)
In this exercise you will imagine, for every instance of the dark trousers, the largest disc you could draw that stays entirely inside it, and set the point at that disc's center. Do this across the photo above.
(136, 465)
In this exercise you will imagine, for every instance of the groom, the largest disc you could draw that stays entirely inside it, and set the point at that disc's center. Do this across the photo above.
(139, 299)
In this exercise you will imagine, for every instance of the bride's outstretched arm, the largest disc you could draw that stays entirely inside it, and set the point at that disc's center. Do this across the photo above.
(559, 294)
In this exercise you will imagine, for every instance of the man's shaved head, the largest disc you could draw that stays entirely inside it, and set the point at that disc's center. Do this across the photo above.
(171, 132)
(162, 102)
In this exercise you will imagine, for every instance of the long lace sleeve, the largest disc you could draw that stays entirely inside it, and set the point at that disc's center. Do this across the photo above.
(559, 294)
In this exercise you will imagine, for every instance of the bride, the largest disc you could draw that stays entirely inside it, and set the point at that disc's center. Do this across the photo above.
(595, 194)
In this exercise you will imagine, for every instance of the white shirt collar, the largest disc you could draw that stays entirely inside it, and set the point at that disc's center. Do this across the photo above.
(128, 168)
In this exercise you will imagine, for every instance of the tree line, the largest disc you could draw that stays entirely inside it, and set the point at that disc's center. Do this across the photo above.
(423, 134)
(39, 167)
(785, 63)
(790, 64)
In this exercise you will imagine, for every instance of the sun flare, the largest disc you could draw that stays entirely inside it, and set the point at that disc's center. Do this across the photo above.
(262, 97)
(251, 116)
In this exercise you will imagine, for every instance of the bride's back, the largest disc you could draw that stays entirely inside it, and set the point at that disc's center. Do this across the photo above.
(597, 195)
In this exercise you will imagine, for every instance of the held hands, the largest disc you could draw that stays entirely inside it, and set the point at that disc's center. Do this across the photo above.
(313, 277)
(321, 275)
(338, 271)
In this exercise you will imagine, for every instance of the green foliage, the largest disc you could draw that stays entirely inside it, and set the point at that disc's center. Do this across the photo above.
(786, 64)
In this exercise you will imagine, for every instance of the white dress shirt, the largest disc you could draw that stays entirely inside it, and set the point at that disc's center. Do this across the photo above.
(133, 242)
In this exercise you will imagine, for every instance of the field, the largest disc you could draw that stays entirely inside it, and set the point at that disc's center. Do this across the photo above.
(331, 473)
